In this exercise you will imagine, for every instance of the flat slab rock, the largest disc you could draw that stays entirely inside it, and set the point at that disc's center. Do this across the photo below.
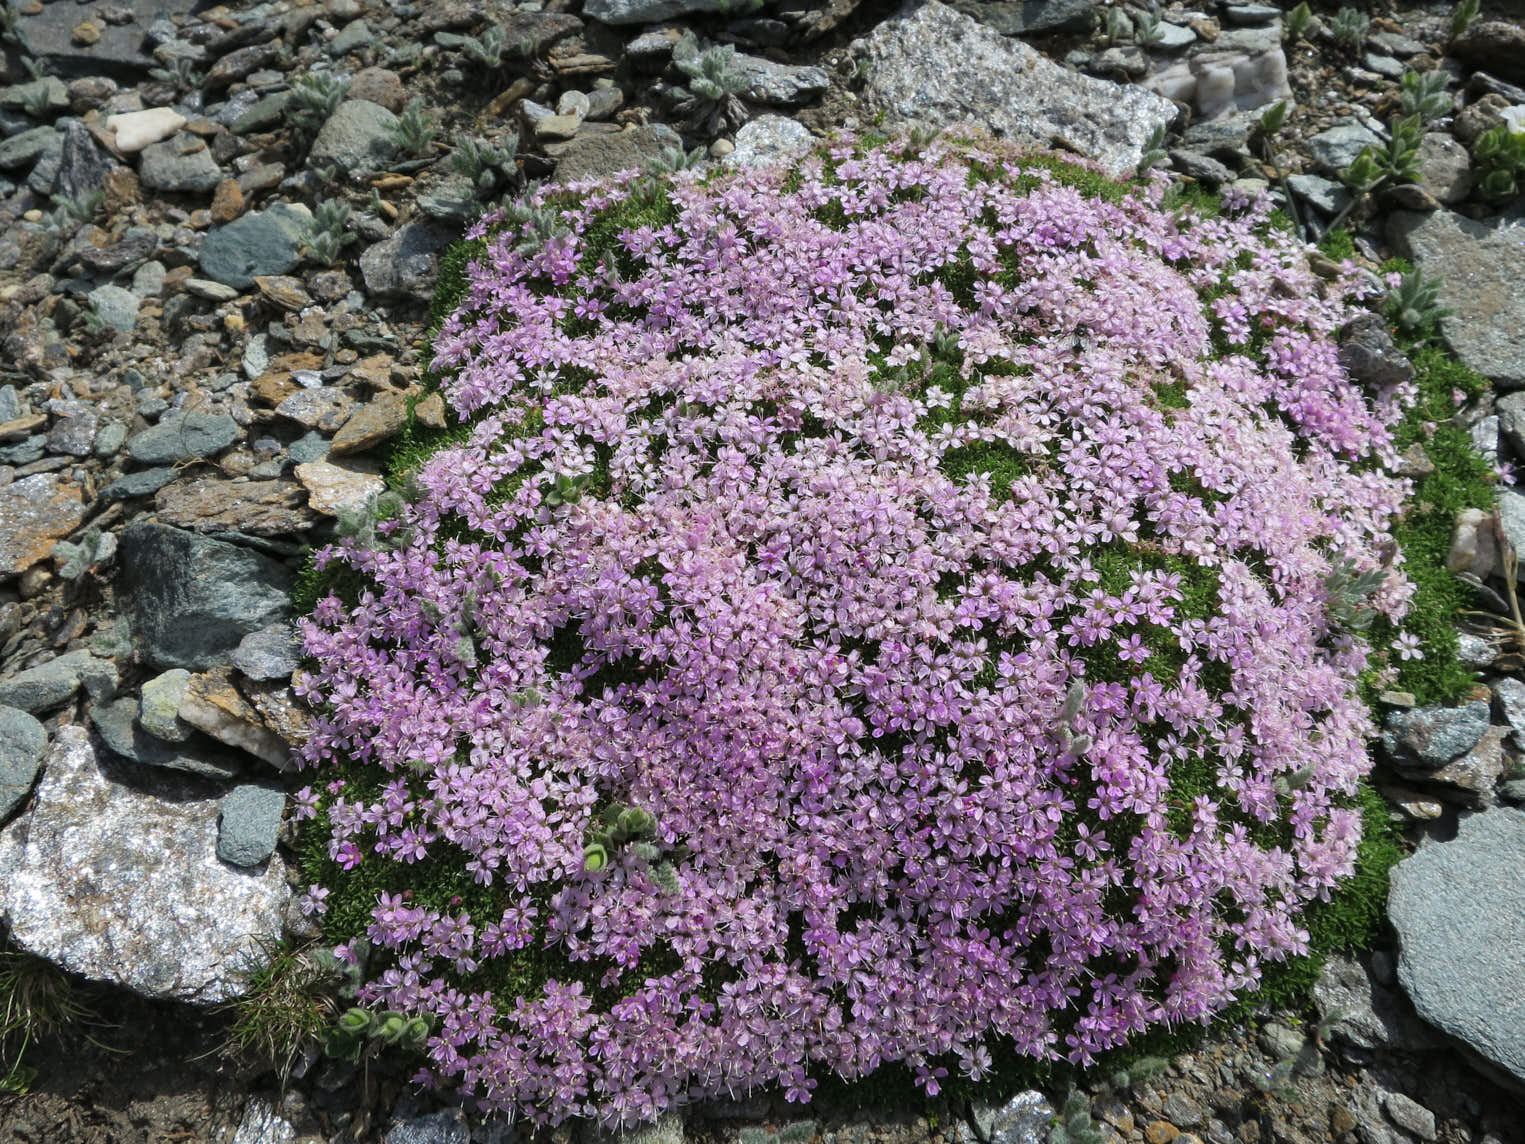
(1459, 910)
(932, 66)
(124, 886)
(35, 512)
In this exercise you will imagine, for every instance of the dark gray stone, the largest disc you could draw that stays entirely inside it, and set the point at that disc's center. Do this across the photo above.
(1459, 911)
(143, 484)
(1362, 1011)
(357, 34)
(183, 437)
(1337, 148)
(82, 165)
(593, 155)
(193, 599)
(1480, 270)
(117, 725)
(1497, 46)
(262, 115)
(1018, 18)
(123, 48)
(1324, 194)
(1511, 421)
(1430, 737)
(266, 242)
(407, 263)
(1368, 354)
(1203, 168)
(23, 741)
(646, 11)
(249, 822)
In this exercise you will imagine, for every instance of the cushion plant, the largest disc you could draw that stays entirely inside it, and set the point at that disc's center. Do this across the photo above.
(902, 606)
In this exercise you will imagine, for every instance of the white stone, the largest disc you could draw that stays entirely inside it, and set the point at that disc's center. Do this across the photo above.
(136, 130)
(123, 885)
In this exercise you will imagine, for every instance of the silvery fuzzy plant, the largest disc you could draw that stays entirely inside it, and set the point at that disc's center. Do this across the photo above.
(709, 103)
(486, 166)
(95, 548)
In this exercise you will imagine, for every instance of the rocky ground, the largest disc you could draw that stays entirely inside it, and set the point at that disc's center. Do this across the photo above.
(219, 232)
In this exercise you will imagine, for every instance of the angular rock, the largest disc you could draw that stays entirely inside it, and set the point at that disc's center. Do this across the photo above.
(249, 823)
(932, 65)
(1468, 779)
(82, 166)
(117, 725)
(318, 408)
(183, 164)
(214, 705)
(159, 706)
(1459, 911)
(1327, 195)
(378, 420)
(23, 742)
(1024, 1119)
(140, 484)
(1368, 354)
(1430, 737)
(1363, 1012)
(1409, 1115)
(116, 306)
(334, 489)
(777, 83)
(1219, 83)
(266, 242)
(36, 512)
(1497, 46)
(1509, 694)
(193, 599)
(407, 263)
(647, 11)
(52, 684)
(769, 139)
(124, 886)
(1474, 549)
(1445, 168)
(26, 147)
(1339, 147)
(1031, 17)
(357, 138)
(135, 130)
(185, 436)
(256, 508)
(1480, 269)
(590, 156)
(268, 654)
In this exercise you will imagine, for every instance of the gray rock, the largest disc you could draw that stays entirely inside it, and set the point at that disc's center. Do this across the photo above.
(646, 11)
(1253, 41)
(262, 1124)
(1325, 195)
(454, 199)
(1029, 17)
(23, 741)
(141, 484)
(769, 139)
(407, 263)
(1459, 911)
(1509, 694)
(1368, 354)
(1251, 15)
(1224, 138)
(1480, 269)
(1361, 1011)
(1497, 46)
(1338, 148)
(262, 114)
(781, 83)
(1395, 44)
(44, 175)
(1385, 66)
(266, 242)
(1468, 779)
(1511, 506)
(26, 148)
(159, 706)
(124, 886)
(183, 437)
(357, 138)
(1409, 1115)
(931, 65)
(122, 49)
(52, 684)
(268, 654)
(193, 599)
(1024, 1119)
(1445, 168)
(449, 1127)
(249, 823)
(82, 165)
(116, 306)
(1511, 421)
(117, 725)
(357, 34)
(1171, 37)
(591, 156)
(1430, 737)
(182, 163)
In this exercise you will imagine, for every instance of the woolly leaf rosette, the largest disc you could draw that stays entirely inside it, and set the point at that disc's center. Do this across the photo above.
(877, 610)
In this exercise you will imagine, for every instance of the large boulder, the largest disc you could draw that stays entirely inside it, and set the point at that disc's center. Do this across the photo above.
(1459, 910)
(124, 885)
(930, 65)
(192, 598)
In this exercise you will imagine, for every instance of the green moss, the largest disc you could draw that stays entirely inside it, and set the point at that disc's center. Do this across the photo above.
(1338, 244)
